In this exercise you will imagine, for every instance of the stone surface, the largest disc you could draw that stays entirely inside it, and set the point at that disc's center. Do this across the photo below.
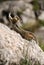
(41, 17)
(13, 48)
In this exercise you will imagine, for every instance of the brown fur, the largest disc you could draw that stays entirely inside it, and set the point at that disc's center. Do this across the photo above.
(25, 34)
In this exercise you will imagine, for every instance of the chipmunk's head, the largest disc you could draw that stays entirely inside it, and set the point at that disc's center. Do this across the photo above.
(13, 18)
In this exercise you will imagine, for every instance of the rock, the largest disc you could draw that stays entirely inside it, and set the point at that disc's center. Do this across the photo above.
(41, 17)
(13, 48)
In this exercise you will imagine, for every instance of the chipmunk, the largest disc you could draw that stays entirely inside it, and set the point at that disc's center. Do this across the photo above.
(25, 34)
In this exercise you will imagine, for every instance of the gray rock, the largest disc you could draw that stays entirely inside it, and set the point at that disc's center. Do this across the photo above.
(13, 48)
(41, 17)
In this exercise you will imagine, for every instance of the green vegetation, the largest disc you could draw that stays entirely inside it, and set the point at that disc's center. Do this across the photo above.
(41, 22)
(41, 44)
(25, 62)
(36, 5)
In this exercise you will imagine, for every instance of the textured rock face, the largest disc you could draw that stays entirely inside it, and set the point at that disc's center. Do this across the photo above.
(9, 43)
(13, 48)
